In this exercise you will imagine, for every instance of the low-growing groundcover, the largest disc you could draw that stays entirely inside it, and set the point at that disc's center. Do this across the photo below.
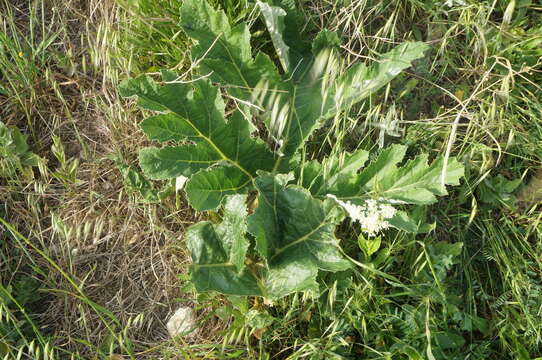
(278, 211)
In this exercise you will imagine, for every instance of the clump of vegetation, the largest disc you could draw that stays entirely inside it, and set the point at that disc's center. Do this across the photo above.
(293, 226)
(15, 157)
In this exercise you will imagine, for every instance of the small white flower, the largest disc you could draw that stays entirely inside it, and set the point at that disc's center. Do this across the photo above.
(387, 211)
(371, 215)
(452, 3)
(181, 322)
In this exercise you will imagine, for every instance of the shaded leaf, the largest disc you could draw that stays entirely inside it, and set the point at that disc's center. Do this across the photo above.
(325, 39)
(218, 252)
(135, 181)
(15, 157)
(295, 235)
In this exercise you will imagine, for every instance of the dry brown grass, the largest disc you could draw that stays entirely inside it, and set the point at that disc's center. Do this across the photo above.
(124, 255)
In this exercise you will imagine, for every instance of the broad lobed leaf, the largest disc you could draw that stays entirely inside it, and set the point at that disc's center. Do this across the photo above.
(207, 188)
(224, 53)
(360, 80)
(294, 235)
(312, 90)
(417, 182)
(319, 178)
(218, 252)
(195, 112)
(274, 20)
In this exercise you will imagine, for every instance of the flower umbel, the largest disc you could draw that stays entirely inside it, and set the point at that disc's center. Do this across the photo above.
(371, 215)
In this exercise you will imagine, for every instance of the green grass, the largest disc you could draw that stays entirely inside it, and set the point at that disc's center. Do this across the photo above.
(477, 95)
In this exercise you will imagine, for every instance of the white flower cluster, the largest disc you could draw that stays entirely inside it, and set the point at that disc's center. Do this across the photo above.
(452, 3)
(371, 215)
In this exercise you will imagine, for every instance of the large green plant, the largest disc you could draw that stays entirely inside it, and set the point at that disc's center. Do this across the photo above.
(271, 113)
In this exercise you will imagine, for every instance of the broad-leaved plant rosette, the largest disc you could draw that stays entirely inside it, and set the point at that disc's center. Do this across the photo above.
(237, 129)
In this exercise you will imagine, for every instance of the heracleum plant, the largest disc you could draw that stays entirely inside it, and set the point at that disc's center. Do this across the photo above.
(238, 128)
